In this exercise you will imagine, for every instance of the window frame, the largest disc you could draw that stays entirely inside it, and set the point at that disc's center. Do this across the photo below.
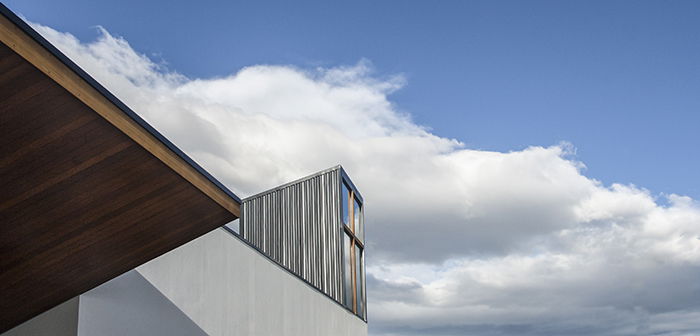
(355, 243)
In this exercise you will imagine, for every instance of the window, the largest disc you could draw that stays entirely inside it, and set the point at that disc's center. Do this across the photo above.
(359, 223)
(345, 202)
(347, 281)
(358, 280)
(353, 237)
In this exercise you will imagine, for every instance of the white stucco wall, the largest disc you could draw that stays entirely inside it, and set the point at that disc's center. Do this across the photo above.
(130, 305)
(61, 320)
(125, 305)
(228, 288)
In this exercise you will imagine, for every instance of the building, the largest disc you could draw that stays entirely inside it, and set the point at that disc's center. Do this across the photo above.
(107, 228)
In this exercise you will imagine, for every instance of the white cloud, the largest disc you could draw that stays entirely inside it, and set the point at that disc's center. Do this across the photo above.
(461, 241)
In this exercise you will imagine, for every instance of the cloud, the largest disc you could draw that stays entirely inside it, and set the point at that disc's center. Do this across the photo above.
(460, 241)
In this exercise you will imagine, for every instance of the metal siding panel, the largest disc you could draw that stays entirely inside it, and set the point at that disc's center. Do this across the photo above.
(298, 226)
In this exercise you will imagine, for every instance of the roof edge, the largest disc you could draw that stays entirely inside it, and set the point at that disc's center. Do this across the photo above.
(282, 186)
(343, 175)
(27, 29)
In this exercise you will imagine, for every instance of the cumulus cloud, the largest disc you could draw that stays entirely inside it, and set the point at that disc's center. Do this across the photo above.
(460, 241)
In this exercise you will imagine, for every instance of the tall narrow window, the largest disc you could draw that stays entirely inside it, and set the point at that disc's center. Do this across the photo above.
(364, 287)
(347, 241)
(345, 191)
(353, 246)
(359, 225)
(358, 280)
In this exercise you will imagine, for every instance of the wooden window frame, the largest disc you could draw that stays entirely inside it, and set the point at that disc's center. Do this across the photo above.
(355, 243)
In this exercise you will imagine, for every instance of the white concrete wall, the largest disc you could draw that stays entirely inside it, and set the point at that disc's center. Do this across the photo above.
(61, 320)
(228, 288)
(130, 305)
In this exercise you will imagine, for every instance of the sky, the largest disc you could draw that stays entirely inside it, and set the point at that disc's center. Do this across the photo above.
(617, 79)
(536, 157)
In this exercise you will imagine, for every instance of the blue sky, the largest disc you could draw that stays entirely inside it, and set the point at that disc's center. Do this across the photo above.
(617, 79)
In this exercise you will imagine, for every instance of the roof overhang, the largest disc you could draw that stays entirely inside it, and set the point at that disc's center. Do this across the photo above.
(88, 189)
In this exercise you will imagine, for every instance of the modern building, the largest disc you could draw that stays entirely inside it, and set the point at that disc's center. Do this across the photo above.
(107, 228)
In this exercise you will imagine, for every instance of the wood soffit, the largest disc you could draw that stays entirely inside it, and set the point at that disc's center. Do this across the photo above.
(88, 192)
(24, 45)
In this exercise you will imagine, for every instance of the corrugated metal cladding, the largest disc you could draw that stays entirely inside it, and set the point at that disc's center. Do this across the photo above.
(298, 226)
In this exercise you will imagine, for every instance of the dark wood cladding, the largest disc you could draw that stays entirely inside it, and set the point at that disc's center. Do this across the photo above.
(80, 202)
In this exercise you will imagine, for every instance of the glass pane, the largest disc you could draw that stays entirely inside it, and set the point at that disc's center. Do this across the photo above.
(364, 291)
(358, 280)
(344, 200)
(359, 223)
(348, 270)
(235, 225)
